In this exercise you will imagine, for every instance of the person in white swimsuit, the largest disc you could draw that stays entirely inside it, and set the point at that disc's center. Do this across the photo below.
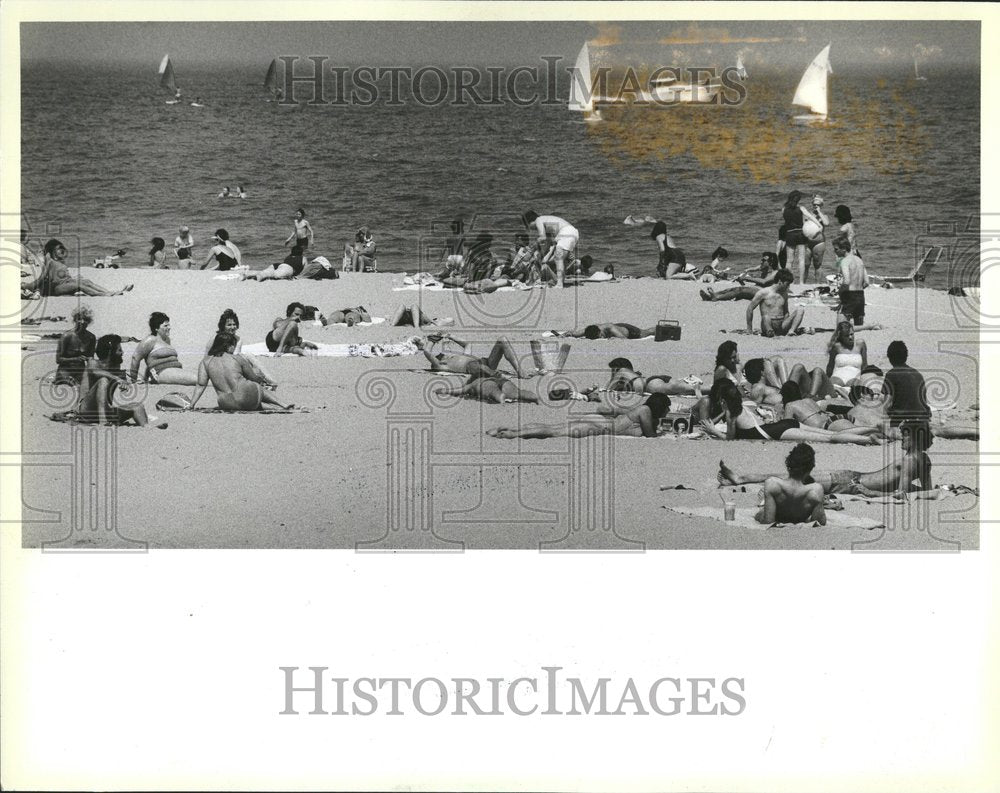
(848, 356)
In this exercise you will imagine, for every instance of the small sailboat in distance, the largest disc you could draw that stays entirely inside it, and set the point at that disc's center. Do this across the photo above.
(271, 82)
(741, 71)
(812, 89)
(916, 70)
(581, 100)
(168, 81)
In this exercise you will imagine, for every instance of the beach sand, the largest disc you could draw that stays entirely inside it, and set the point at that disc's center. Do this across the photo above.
(379, 462)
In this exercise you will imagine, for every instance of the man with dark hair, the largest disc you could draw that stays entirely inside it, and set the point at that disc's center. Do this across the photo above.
(791, 499)
(100, 381)
(854, 280)
(775, 319)
(284, 334)
(562, 235)
(904, 388)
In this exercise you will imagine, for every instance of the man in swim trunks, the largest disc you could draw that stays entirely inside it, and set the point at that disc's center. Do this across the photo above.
(910, 474)
(611, 330)
(561, 234)
(854, 280)
(795, 498)
(100, 382)
(284, 334)
(775, 319)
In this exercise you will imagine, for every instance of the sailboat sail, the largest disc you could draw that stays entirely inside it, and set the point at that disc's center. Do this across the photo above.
(580, 98)
(741, 71)
(167, 79)
(811, 92)
(270, 80)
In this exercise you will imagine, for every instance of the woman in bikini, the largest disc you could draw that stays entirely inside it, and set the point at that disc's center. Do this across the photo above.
(226, 254)
(302, 233)
(163, 367)
(290, 267)
(810, 414)
(348, 316)
(848, 355)
(237, 382)
(637, 422)
(57, 281)
(624, 377)
(725, 404)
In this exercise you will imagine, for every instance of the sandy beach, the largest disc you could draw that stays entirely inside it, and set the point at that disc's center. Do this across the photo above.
(380, 462)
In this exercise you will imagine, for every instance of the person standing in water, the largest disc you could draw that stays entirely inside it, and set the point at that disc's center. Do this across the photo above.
(302, 233)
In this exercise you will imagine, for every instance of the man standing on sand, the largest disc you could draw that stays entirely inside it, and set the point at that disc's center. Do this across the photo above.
(562, 234)
(854, 280)
(905, 388)
(775, 319)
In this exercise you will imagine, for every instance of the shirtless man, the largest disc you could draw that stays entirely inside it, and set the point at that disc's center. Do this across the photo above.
(238, 384)
(562, 234)
(854, 279)
(637, 422)
(284, 334)
(789, 499)
(911, 474)
(467, 363)
(775, 320)
(611, 330)
(100, 381)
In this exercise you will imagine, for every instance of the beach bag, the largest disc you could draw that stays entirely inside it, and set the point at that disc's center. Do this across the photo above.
(173, 401)
(667, 330)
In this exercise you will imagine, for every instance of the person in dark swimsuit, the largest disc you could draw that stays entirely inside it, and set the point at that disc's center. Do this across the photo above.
(611, 330)
(225, 253)
(284, 335)
(624, 377)
(99, 385)
(284, 270)
(672, 259)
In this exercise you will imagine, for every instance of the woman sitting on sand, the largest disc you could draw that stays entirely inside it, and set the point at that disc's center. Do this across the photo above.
(157, 257)
(224, 251)
(76, 349)
(100, 383)
(57, 281)
(237, 382)
(725, 404)
(727, 365)
(848, 356)
(229, 322)
(624, 377)
(636, 422)
(163, 367)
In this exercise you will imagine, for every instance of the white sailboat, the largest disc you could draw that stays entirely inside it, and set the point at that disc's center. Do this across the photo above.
(741, 71)
(271, 81)
(812, 89)
(581, 99)
(916, 70)
(168, 81)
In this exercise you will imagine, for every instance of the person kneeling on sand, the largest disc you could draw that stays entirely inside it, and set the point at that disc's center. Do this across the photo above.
(775, 319)
(100, 381)
(795, 498)
(238, 384)
(638, 422)
(284, 334)
(910, 474)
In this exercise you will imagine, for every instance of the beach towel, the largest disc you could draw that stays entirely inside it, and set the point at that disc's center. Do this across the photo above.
(435, 287)
(745, 519)
(375, 321)
(262, 411)
(389, 350)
